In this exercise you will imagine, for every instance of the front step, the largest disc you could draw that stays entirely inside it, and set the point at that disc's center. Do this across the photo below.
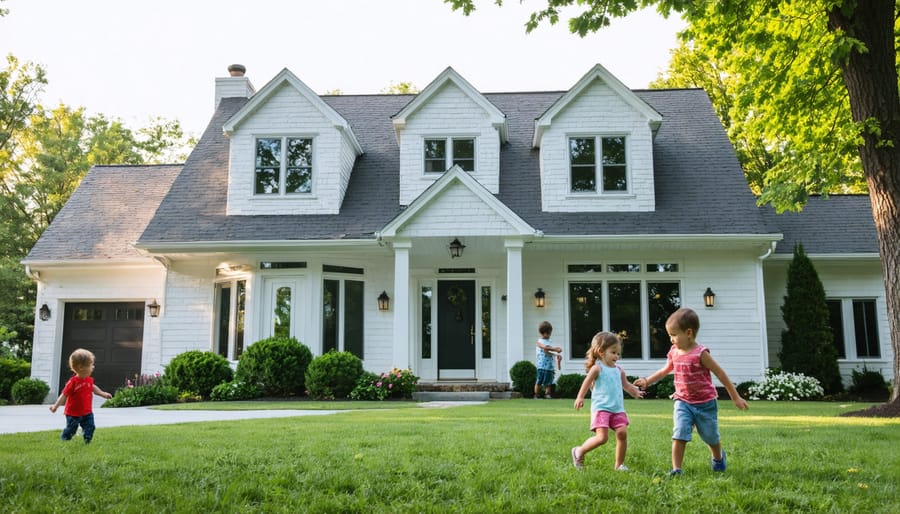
(452, 396)
(461, 391)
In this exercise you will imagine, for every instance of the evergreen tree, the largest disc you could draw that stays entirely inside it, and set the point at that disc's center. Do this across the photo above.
(807, 343)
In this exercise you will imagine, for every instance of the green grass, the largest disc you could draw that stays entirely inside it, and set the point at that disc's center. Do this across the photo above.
(505, 456)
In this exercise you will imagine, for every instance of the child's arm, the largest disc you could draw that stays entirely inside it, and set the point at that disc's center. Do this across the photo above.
(101, 392)
(711, 364)
(547, 348)
(652, 379)
(59, 401)
(588, 380)
(630, 388)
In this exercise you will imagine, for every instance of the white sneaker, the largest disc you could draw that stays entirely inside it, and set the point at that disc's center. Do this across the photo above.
(622, 467)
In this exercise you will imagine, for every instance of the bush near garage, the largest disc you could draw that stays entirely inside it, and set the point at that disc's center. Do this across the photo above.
(29, 391)
(198, 372)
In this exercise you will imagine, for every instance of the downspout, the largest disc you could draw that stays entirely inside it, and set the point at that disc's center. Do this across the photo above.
(761, 302)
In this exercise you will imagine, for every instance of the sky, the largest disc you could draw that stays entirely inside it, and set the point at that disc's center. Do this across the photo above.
(136, 60)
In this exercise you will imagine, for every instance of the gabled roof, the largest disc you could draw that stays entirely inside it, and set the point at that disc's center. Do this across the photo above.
(449, 75)
(285, 77)
(816, 227)
(598, 72)
(456, 175)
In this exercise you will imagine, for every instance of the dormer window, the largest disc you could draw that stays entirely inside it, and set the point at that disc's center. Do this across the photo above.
(281, 173)
(610, 172)
(442, 153)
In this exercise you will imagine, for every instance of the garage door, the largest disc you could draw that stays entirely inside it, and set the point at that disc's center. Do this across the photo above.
(113, 331)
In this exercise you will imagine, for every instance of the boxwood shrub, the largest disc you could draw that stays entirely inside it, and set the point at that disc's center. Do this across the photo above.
(333, 375)
(198, 372)
(11, 370)
(523, 375)
(567, 385)
(29, 391)
(277, 366)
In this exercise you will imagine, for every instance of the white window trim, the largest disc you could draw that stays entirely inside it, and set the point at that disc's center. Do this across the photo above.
(448, 156)
(282, 171)
(850, 329)
(598, 166)
(341, 278)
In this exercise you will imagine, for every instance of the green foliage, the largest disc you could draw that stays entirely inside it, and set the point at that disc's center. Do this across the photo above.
(277, 366)
(867, 382)
(235, 390)
(156, 393)
(29, 391)
(333, 375)
(806, 344)
(396, 383)
(11, 371)
(782, 385)
(743, 388)
(368, 388)
(523, 375)
(198, 372)
(568, 384)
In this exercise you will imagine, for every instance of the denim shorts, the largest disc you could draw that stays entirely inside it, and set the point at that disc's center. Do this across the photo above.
(705, 416)
(544, 377)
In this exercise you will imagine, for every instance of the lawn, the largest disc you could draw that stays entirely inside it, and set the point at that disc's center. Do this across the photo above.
(504, 456)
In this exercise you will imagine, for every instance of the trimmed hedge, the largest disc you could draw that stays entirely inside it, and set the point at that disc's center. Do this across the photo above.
(277, 366)
(198, 372)
(333, 375)
(30, 391)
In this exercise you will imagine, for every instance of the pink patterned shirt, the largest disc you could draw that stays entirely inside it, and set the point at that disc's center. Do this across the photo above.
(693, 382)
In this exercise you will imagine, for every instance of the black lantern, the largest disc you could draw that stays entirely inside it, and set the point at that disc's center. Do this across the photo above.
(455, 248)
(153, 307)
(44, 313)
(384, 301)
(709, 298)
(539, 298)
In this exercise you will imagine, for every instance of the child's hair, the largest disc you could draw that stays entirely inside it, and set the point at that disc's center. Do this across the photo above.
(545, 328)
(80, 358)
(684, 319)
(601, 342)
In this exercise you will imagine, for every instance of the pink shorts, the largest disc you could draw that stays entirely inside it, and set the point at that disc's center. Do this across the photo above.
(606, 419)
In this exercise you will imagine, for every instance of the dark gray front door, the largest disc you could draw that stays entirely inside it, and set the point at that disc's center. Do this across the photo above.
(456, 329)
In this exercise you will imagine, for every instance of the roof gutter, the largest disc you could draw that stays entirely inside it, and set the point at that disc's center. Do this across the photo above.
(248, 245)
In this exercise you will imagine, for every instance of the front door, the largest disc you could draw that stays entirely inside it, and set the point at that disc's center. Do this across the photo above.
(456, 329)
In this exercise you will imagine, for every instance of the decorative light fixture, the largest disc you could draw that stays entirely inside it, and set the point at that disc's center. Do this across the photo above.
(456, 248)
(153, 307)
(709, 298)
(539, 298)
(384, 301)
(44, 313)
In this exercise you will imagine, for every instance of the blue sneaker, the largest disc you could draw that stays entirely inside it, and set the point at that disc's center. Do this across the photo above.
(675, 473)
(719, 465)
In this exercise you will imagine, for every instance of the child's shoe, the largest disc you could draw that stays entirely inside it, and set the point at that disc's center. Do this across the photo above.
(622, 467)
(675, 473)
(718, 465)
(577, 461)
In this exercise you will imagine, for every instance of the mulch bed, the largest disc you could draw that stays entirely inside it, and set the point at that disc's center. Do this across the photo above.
(885, 410)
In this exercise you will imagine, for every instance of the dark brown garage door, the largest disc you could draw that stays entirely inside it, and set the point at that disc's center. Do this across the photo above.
(113, 331)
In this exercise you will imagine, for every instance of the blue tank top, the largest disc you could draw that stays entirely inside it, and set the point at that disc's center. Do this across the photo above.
(607, 392)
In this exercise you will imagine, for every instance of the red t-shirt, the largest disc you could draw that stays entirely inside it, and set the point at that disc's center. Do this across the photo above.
(693, 383)
(79, 396)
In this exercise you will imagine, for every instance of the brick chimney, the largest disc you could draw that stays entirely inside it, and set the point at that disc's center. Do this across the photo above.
(234, 85)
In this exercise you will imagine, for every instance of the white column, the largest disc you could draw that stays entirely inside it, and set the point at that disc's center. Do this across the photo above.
(402, 315)
(514, 304)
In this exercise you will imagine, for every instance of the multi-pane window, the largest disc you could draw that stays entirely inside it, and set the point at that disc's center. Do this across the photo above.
(284, 165)
(342, 316)
(854, 325)
(635, 308)
(598, 164)
(443, 153)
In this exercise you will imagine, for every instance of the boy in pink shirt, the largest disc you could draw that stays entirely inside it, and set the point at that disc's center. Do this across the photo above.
(695, 395)
(78, 396)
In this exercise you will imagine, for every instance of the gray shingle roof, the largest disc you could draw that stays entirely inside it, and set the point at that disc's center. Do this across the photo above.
(837, 224)
(106, 214)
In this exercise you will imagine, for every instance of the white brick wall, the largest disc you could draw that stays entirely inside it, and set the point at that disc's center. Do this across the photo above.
(449, 112)
(598, 111)
(288, 113)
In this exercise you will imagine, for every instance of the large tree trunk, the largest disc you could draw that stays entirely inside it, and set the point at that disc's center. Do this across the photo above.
(871, 80)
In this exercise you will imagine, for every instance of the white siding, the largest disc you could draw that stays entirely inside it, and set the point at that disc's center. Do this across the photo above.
(288, 113)
(598, 111)
(455, 211)
(448, 113)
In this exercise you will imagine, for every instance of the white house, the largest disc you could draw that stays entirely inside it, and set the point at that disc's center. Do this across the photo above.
(303, 215)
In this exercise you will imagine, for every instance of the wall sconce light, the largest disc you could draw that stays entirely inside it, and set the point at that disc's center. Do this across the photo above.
(709, 298)
(539, 298)
(455, 248)
(384, 301)
(44, 313)
(153, 307)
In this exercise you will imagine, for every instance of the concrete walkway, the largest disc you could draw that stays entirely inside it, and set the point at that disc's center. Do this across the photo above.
(38, 418)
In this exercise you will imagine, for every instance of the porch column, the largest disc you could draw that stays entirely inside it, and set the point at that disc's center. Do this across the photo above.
(402, 316)
(514, 309)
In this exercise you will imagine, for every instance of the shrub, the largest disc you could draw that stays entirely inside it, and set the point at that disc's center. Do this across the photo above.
(782, 385)
(11, 370)
(277, 366)
(523, 375)
(198, 372)
(662, 389)
(236, 390)
(29, 391)
(333, 375)
(567, 385)
(743, 388)
(867, 382)
(397, 383)
(144, 390)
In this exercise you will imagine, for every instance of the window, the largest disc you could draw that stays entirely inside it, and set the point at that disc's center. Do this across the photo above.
(854, 324)
(426, 321)
(485, 322)
(231, 297)
(441, 154)
(277, 175)
(610, 171)
(342, 316)
(636, 309)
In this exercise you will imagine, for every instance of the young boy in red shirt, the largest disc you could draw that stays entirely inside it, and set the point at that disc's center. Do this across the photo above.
(78, 396)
